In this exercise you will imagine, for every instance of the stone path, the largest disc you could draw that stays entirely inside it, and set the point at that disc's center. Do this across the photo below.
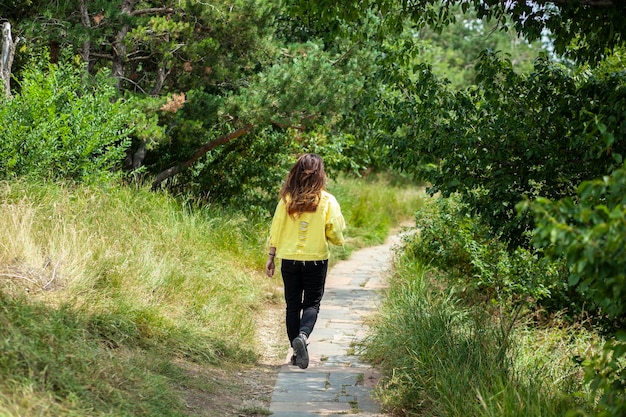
(336, 383)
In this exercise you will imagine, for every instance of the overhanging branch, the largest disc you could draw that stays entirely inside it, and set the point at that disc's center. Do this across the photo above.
(153, 10)
(172, 171)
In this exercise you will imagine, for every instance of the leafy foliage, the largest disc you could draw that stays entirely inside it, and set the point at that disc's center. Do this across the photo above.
(589, 233)
(63, 126)
(512, 136)
(185, 45)
(585, 30)
(453, 53)
(606, 372)
(475, 263)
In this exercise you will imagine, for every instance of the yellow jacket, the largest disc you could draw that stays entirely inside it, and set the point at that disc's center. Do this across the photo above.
(306, 237)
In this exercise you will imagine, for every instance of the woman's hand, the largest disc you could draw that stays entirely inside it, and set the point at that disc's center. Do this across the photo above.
(270, 267)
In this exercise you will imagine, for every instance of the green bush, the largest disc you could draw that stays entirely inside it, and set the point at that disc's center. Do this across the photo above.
(62, 125)
(588, 233)
(474, 261)
(510, 137)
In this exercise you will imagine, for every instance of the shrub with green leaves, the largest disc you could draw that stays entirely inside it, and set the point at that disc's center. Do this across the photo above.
(473, 260)
(588, 233)
(62, 125)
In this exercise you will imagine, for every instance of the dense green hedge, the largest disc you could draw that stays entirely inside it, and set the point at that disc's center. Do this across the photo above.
(63, 125)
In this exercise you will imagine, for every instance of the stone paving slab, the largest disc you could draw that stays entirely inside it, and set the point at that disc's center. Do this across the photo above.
(337, 383)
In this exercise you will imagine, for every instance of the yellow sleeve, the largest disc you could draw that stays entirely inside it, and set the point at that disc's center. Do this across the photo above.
(277, 222)
(335, 224)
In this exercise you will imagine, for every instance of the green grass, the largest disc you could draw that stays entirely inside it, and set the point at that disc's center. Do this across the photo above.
(443, 358)
(373, 206)
(109, 295)
(56, 361)
(138, 254)
(103, 289)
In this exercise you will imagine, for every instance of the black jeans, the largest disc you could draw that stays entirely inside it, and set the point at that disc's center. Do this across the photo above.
(304, 287)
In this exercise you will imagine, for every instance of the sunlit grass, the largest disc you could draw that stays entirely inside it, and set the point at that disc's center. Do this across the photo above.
(443, 358)
(103, 291)
(373, 206)
(144, 251)
(103, 288)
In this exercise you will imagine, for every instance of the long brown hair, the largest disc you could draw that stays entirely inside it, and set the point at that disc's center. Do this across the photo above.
(304, 184)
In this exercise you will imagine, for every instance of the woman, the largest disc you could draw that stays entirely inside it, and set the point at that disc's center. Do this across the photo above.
(307, 218)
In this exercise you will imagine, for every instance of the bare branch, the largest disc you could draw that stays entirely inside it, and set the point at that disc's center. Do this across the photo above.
(120, 78)
(139, 58)
(170, 172)
(101, 55)
(153, 10)
(345, 54)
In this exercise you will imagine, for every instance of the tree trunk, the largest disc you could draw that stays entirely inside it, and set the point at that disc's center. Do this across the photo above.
(119, 49)
(162, 74)
(84, 19)
(170, 172)
(139, 155)
(6, 59)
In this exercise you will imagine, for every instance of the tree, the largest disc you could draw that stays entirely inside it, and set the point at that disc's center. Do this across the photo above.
(207, 75)
(151, 45)
(6, 57)
(152, 48)
(299, 101)
(453, 53)
(512, 136)
(583, 29)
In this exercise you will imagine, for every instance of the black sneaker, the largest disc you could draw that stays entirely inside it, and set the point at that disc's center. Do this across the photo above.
(302, 355)
(293, 360)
